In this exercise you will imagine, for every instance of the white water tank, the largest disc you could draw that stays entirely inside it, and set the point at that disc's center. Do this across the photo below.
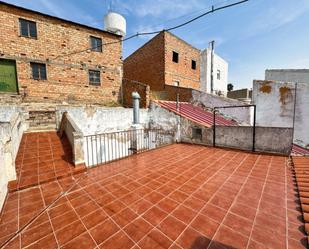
(115, 23)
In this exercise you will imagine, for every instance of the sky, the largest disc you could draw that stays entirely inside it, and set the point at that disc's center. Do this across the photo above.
(252, 37)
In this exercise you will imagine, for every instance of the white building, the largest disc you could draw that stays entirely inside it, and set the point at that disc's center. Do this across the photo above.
(288, 75)
(220, 73)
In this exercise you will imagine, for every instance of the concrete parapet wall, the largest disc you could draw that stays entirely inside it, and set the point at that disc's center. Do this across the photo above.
(12, 127)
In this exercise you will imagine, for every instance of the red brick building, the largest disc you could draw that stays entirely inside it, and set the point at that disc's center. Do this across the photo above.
(165, 59)
(34, 60)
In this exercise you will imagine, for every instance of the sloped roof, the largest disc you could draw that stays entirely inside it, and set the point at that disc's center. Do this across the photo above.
(299, 151)
(196, 113)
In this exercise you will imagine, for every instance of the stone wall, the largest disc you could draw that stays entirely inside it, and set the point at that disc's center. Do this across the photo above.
(130, 86)
(67, 76)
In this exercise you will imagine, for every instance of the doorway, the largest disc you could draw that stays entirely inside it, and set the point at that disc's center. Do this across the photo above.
(8, 76)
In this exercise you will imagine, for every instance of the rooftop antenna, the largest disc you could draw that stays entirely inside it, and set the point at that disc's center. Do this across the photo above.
(111, 6)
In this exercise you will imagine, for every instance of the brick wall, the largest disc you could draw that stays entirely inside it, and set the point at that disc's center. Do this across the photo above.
(185, 94)
(181, 71)
(152, 63)
(134, 86)
(67, 77)
(147, 63)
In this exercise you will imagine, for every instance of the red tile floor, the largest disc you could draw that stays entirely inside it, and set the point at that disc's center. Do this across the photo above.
(179, 196)
(43, 157)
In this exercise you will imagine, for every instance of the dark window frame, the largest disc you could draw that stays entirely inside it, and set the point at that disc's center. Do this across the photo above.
(218, 74)
(96, 44)
(92, 82)
(193, 64)
(27, 31)
(197, 133)
(175, 57)
(38, 71)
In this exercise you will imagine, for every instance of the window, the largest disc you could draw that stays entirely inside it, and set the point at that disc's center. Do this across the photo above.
(176, 82)
(193, 64)
(94, 77)
(175, 57)
(196, 133)
(27, 28)
(38, 71)
(96, 44)
(218, 74)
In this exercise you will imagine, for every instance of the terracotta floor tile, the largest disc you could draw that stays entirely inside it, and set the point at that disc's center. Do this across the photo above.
(138, 229)
(34, 234)
(155, 240)
(213, 212)
(63, 220)
(103, 231)
(154, 215)
(230, 238)
(184, 214)
(205, 225)
(185, 172)
(48, 242)
(268, 238)
(239, 224)
(243, 210)
(82, 241)
(192, 239)
(140, 206)
(167, 205)
(171, 227)
(69, 232)
(118, 241)
(124, 217)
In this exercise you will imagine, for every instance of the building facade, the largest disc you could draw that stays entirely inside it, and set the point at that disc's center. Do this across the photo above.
(220, 73)
(288, 75)
(168, 60)
(40, 59)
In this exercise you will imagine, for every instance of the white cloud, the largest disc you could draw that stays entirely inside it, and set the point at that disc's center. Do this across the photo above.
(159, 8)
(276, 16)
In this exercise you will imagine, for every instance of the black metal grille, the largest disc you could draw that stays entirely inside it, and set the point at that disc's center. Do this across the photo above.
(107, 147)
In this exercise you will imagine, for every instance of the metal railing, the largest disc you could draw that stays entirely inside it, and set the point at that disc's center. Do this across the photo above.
(107, 147)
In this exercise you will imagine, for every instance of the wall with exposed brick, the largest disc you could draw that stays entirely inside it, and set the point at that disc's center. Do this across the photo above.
(152, 63)
(130, 86)
(67, 77)
(185, 94)
(146, 64)
(181, 71)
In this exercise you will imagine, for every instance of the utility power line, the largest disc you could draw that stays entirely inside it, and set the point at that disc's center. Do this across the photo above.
(213, 9)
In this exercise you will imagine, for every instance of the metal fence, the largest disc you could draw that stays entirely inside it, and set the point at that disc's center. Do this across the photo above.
(106, 147)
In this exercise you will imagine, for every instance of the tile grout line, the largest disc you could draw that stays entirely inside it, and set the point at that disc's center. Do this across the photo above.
(54, 232)
(199, 212)
(139, 216)
(242, 186)
(87, 230)
(258, 206)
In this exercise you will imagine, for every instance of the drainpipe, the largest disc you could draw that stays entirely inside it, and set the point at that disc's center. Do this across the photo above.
(135, 102)
(135, 98)
(294, 114)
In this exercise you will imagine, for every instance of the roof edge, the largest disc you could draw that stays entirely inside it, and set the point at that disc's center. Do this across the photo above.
(57, 18)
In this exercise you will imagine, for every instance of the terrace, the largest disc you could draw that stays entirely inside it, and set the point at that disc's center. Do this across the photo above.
(177, 196)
